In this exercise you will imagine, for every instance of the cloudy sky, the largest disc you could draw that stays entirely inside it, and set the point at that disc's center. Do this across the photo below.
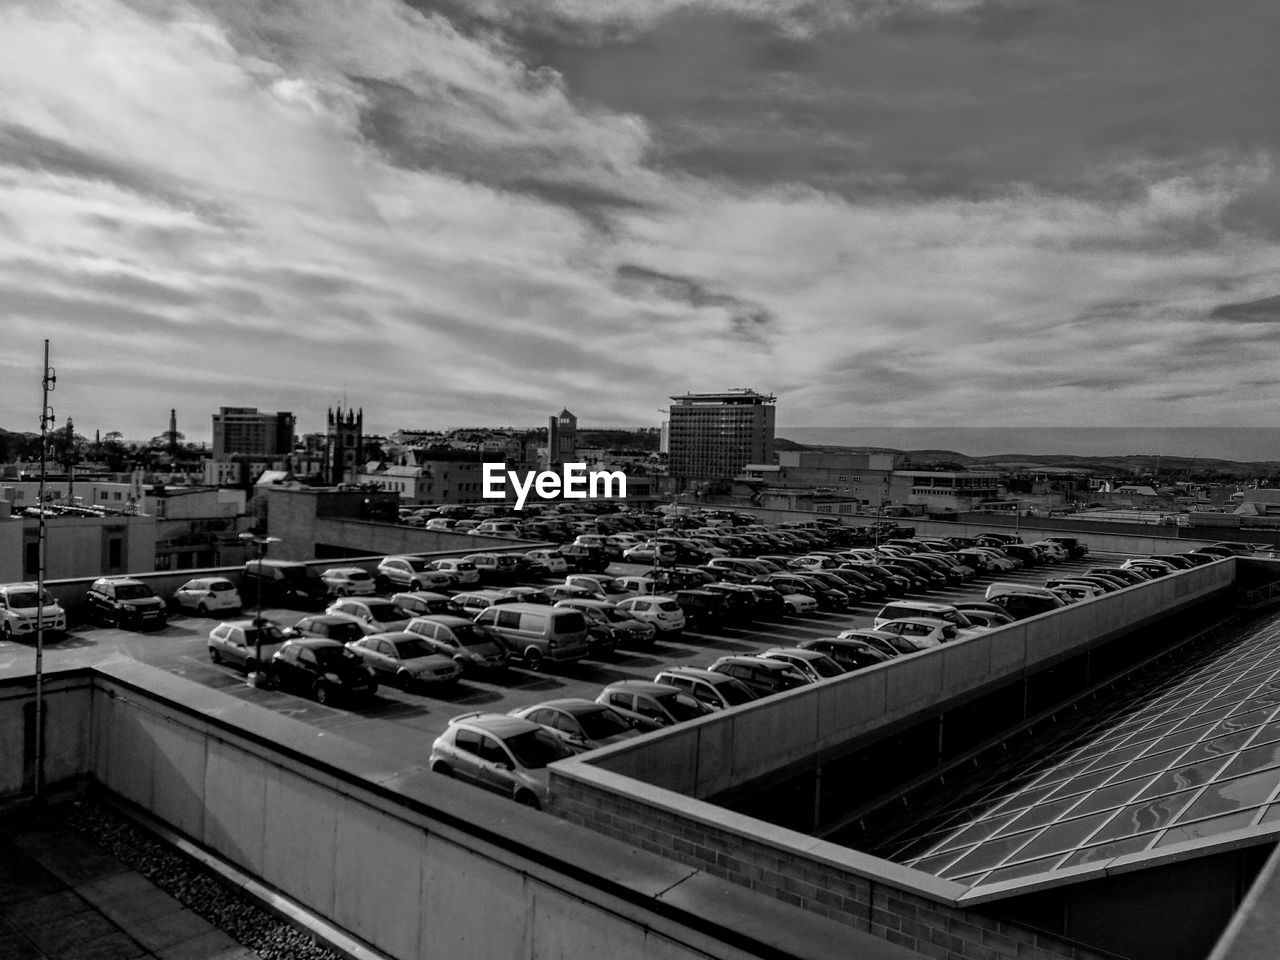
(886, 212)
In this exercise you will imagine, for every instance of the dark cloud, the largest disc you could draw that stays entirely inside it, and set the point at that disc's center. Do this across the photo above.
(748, 320)
(1266, 310)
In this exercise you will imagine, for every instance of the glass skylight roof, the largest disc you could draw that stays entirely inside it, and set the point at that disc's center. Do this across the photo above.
(1184, 752)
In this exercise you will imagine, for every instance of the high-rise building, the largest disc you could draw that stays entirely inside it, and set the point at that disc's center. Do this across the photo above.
(712, 436)
(562, 439)
(246, 430)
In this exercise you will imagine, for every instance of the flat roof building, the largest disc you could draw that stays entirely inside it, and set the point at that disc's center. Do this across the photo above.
(249, 431)
(713, 436)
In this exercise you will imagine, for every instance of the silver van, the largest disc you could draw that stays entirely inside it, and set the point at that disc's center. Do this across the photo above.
(535, 633)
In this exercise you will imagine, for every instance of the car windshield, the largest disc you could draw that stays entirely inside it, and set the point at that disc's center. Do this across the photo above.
(615, 616)
(222, 586)
(534, 749)
(472, 635)
(344, 631)
(27, 598)
(386, 611)
(825, 667)
(599, 724)
(678, 705)
(354, 574)
(133, 591)
(408, 649)
(735, 693)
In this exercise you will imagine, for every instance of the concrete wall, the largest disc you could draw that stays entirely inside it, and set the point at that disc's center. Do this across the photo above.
(716, 753)
(414, 864)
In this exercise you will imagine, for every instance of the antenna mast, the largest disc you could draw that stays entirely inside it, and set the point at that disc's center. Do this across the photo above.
(47, 382)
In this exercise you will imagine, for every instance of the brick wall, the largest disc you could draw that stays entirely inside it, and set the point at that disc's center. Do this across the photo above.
(930, 927)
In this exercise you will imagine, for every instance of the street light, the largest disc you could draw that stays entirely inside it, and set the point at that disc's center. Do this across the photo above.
(258, 677)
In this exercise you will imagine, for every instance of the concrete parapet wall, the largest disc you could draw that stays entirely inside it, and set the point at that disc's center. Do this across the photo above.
(414, 864)
(722, 751)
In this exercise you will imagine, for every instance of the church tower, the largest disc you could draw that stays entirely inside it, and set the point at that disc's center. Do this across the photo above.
(344, 445)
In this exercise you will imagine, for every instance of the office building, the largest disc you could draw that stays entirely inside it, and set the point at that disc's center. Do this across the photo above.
(246, 430)
(712, 436)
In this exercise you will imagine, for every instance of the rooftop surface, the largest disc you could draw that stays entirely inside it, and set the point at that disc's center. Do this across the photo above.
(62, 895)
(1184, 756)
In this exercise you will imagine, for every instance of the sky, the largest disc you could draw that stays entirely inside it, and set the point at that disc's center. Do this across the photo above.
(467, 212)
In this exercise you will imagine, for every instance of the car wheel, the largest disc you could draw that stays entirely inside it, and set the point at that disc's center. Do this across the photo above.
(203, 610)
(214, 655)
(405, 681)
(415, 585)
(442, 768)
(342, 591)
(8, 631)
(527, 799)
(323, 694)
(533, 659)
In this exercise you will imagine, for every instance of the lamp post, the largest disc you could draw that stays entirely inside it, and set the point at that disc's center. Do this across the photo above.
(258, 677)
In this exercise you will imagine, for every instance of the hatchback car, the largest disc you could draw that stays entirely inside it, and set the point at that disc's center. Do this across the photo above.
(582, 724)
(716, 690)
(412, 574)
(326, 627)
(242, 642)
(813, 663)
(348, 582)
(763, 676)
(546, 562)
(471, 645)
(425, 603)
(22, 604)
(506, 754)
(373, 616)
(658, 703)
(322, 669)
(663, 612)
(406, 659)
(850, 653)
(464, 572)
(605, 620)
(206, 595)
(124, 602)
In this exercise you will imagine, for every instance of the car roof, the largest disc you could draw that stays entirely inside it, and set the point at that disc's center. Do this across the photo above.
(326, 618)
(641, 686)
(567, 703)
(703, 673)
(314, 643)
(499, 724)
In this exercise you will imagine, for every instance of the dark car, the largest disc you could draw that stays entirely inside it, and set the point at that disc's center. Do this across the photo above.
(761, 675)
(124, 602)
(325, 627)
(828, 599)
(282, 583)
(849, 653)
(702, 608)
(322, 669)
(740, 602)
(1075, 548)
(584, 559)
(769, 602)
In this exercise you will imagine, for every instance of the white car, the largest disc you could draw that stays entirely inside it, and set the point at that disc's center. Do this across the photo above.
(206, 595)
(926, 631)
(464, 572)
(20, 603)
(1052, 552)
(348, 582)
(799, 603)
(550, 562)
(663, 612)
(374, 615)
(412, 574)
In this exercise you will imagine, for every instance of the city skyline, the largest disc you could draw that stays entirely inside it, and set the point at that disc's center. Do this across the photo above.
(917, 213)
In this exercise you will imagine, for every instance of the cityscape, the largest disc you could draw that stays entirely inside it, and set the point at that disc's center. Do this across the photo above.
(685, 480)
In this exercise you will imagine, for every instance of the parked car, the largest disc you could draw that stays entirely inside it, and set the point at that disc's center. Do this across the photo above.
(464, 572)
(814, 664)
(406, 659)
(501, 568)
(581, 723)
(241, 642)
(472, 602)
(425, 603)
(657, 703)
(717, 690)
(663, 612)
(472, 646)
(411, 574)
(22, 604)
(505, 754)
(605, 620)
(125, 602)
(326, 627)
(584, 559)
(546, 562)
(373, 615)
(535, 634)
(900, 609)
(322, 669)
(348, 582)
(850, 653)
(207, 595)
(281, 583)
(927, 631)
(762, 675)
